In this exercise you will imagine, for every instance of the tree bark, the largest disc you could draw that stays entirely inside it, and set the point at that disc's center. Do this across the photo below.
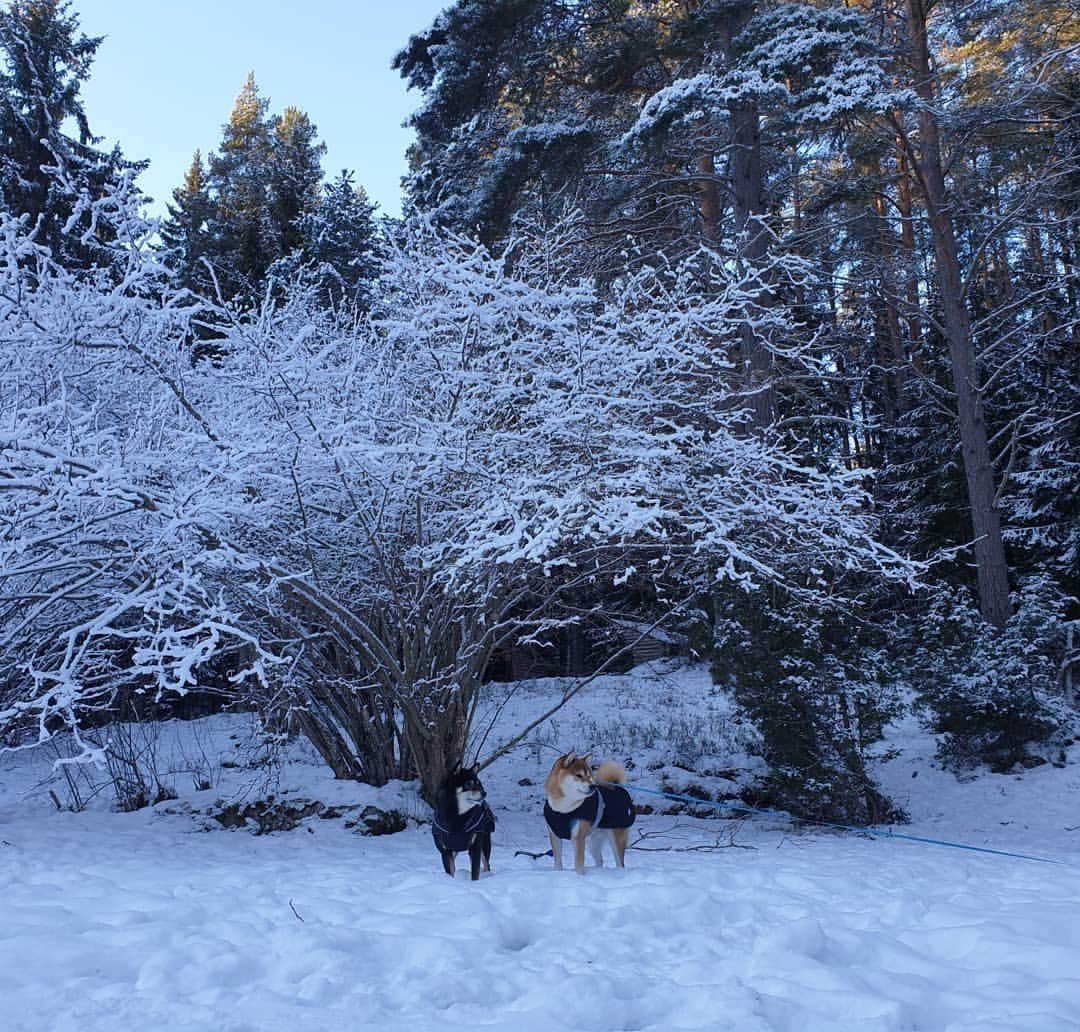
(991, 568)
(708, 197)
(894, 360)
(748, 202)
(907, 239)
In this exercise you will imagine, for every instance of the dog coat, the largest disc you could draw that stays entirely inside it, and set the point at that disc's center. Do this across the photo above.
(603, 807)
(480, 820)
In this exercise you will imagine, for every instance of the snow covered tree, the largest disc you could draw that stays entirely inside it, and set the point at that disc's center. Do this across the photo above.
(994, 699)
(186, 233)
(107, 556)
(604, 435)
(340, 242)
(820, 685)
(295, 174)
(45, 173)
(244, 237)
(928, 159)
(493, 121)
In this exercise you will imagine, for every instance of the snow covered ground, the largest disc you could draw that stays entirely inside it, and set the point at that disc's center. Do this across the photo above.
(142, 922)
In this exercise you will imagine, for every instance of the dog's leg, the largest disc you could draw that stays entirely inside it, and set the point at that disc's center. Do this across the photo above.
(580, 834)
(596, 846)
(556, 849)
(475, 852)
(485, 842)
(619, 838)
(448, 863)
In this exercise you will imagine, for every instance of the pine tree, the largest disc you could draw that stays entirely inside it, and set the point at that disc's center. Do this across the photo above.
(242, 217)
(510, 116)
(244, 243)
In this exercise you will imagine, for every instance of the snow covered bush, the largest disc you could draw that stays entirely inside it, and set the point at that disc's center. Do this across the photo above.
(351, 515)
(110, 555)
(552, 419)
(601, 436)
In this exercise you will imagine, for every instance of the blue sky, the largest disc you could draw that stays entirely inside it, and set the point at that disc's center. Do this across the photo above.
(166, 75)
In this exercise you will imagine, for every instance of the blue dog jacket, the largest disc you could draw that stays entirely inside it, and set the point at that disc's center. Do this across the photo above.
(603, 807)
(479, 821)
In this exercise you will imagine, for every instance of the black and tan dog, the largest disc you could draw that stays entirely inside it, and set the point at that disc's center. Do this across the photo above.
(577, 808)
(463, 821)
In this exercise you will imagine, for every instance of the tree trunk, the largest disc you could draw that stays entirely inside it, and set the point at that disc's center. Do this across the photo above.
(991, 568)
(907, 239)
(896, 361)
(746, 180)
(748, 200)
(708, 193)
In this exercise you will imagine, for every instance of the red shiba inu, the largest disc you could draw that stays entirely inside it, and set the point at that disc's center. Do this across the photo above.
(577, 809)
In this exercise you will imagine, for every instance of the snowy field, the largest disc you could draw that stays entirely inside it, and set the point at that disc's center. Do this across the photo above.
(144, 922)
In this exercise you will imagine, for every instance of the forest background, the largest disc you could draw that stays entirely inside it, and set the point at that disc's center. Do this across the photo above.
(746, 330)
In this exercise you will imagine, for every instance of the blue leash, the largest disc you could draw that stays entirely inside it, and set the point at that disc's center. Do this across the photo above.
(890, 834)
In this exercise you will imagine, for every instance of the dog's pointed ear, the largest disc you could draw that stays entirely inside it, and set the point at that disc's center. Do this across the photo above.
(568, 759)
(585, 758)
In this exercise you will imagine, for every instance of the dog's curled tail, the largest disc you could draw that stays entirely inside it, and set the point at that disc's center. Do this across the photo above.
(613, 771)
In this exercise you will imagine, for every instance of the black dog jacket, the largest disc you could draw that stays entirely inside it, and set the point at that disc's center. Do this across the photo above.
(479, 820)
(604, 807)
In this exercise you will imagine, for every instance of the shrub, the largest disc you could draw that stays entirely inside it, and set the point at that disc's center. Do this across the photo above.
(816, 683)
(992, 695)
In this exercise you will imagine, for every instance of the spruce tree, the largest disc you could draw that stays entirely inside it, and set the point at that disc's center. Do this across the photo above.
(295, 174)
(46, 174)
(187, 231)
(340, 240)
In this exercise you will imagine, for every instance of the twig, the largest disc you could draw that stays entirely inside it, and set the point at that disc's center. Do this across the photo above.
(293, 909)
(705, 847)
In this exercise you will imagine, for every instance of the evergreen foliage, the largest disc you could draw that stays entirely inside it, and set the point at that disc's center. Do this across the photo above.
(295, 168)
(819, 683)
(244, 234)
(186, 233)
(47, 175)
(258, 211)
(994, 696)
(338, 243)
